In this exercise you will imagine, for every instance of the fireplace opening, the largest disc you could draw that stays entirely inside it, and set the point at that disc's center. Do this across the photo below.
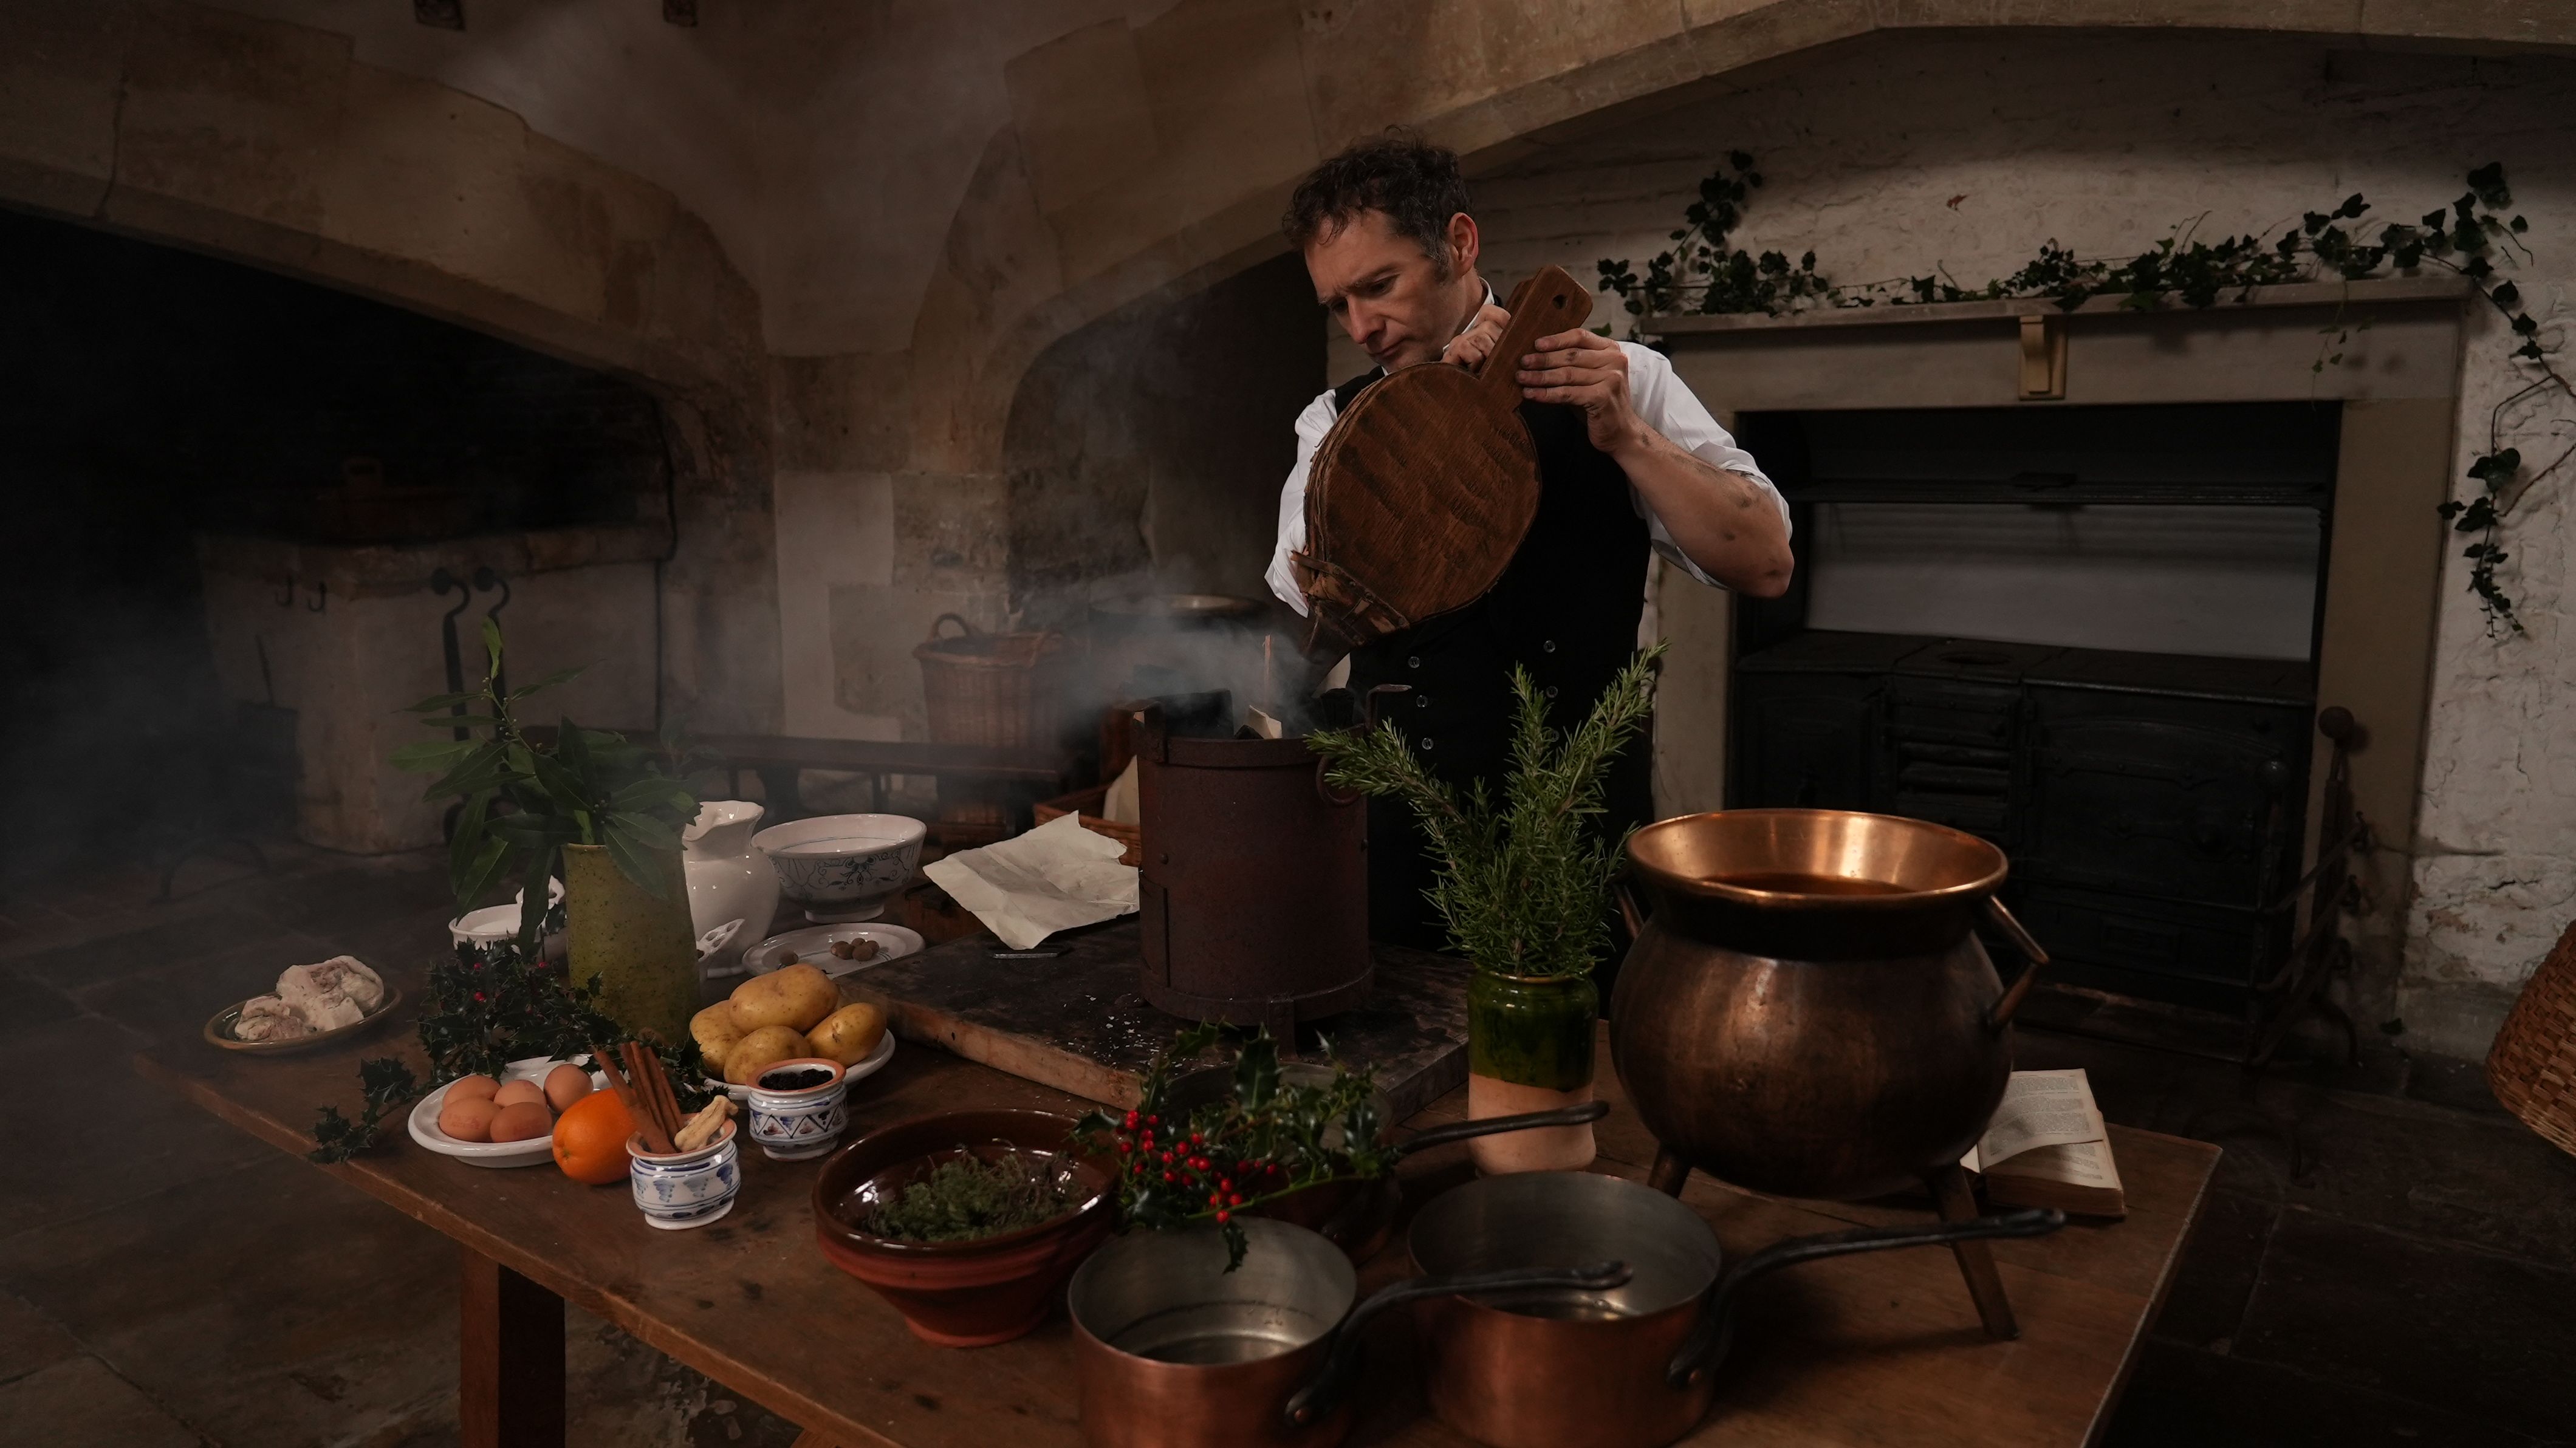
(2087, 634)
(167, 412)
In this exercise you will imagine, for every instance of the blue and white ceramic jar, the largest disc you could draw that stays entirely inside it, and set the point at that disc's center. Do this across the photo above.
(793, 1122)
(685, 1189)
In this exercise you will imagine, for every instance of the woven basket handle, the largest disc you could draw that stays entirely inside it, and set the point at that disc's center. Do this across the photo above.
(965, 630)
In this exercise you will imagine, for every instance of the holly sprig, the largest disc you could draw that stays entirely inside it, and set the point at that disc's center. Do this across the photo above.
(487, 1007)
(1703, 273)
(1266, 1140)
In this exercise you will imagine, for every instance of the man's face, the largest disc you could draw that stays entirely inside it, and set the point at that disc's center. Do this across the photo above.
(1399, 305)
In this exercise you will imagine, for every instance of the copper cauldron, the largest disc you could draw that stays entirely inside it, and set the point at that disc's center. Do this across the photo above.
(1807, 1011)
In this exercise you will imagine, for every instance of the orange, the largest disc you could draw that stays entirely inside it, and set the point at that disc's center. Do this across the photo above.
(590, 1139)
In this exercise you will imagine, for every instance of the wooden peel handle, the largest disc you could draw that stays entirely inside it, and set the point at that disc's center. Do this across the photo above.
(1551, 301)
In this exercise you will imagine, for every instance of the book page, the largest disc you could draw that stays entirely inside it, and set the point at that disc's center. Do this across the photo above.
(2040, 1109)
(2080, 1163)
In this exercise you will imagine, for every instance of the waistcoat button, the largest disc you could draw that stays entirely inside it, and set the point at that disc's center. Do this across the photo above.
(1549, 646)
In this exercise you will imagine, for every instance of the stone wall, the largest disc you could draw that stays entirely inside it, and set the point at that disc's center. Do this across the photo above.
(1890, 157)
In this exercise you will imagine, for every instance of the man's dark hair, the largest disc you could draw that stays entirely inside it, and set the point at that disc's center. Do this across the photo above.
(1413, 181)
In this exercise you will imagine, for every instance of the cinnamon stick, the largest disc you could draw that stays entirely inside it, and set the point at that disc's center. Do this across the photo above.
(639, 1102)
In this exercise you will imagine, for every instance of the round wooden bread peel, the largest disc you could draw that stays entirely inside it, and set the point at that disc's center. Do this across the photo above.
(1422, 492)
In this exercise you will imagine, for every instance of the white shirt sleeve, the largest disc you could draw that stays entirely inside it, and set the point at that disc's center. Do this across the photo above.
(1664, 402)
(1312, 424)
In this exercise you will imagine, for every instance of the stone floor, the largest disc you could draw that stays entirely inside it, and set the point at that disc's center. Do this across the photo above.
(2405, 1277)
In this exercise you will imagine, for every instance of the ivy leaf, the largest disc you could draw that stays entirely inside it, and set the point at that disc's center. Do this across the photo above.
(2487, 184)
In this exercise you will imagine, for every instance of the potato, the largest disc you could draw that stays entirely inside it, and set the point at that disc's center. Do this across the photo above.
(797, 996)
(467, 1118)
(515, 1093)
(565, 1085)
(524, 1122)
(473, 1088)
(761, 1050)
(716, 1030)
(850, 1033)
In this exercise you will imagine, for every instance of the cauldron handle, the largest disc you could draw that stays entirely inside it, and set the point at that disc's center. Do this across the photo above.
(1323, 1392)
(2002, 1014)
(1714, 1332)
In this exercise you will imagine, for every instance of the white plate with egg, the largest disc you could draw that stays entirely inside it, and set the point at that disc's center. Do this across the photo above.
(813, 946)
(424, 1121)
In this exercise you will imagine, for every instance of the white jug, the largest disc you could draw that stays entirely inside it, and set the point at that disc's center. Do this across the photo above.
(728, 879)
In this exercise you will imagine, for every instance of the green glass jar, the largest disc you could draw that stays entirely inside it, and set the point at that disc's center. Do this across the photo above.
(1532, 1030)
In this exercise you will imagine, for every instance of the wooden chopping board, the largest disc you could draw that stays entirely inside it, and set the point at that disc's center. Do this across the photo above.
(1421, 493)
(1077, 1022)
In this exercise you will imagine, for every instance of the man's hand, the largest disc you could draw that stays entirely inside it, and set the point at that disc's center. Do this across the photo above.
(1589, 371)
(1477, 343)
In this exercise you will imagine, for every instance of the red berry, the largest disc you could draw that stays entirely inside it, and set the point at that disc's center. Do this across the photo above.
(1199, 1162)
(1224, 1217)
(1167, 1156)
(1234, 1199)
(1124, 1148)
(1153, 1121)
(1131, 1120)
(1171, 1176)
(1216, 1199)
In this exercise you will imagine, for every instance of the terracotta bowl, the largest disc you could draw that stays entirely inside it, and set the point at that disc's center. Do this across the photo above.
(959, 1294)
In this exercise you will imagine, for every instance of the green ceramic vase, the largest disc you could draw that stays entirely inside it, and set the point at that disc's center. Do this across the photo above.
(1529, 1048)
(639, 945)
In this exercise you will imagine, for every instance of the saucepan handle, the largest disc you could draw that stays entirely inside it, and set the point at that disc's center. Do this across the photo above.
(1589, 1111)
(2002, 1014)
(1710, 1337)
(1322, 1393)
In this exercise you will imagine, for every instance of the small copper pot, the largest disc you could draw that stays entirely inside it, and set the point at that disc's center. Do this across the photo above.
(1174, 1351)
(1627, 1367)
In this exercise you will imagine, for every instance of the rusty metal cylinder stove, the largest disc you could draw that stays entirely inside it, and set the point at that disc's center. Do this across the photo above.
(1255, 883)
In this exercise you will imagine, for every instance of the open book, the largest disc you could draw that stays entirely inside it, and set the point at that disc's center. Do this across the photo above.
(2046, 1147)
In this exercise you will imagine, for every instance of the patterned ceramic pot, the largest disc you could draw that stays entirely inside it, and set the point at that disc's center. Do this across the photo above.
(842, 867)
(792, 1124)
(685, 1189)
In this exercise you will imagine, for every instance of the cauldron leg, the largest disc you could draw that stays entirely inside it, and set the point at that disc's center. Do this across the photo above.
(1669, 1172)
(1976, 1263)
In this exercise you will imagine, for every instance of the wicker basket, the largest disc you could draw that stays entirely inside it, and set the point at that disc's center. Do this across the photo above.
(1087, 803)
(2532, 1066)
(999, 689)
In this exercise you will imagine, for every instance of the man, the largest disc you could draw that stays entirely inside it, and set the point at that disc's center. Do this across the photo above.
(1628, 460)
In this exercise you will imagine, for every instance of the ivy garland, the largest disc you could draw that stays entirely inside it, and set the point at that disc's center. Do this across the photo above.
(1704, 273)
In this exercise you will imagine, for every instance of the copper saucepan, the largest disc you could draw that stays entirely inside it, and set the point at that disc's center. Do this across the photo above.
(1176, 1352)
(1358, 1213)
(1630, 1367)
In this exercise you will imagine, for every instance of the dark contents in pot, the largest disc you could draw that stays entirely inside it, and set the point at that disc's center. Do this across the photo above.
(801, 1079)
(1796, 882)
(969, 1197)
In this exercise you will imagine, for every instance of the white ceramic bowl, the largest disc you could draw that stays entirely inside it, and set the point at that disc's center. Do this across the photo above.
(791, 1125)
(495, 923)
(424, 1122)
(842, 867)
(688, 1188)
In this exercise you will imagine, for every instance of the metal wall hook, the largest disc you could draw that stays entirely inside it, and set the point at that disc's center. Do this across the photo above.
(321, 597)
(287, 598)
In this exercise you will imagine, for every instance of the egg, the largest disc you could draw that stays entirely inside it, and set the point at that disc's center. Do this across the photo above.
(565, 1085)
(467, 1118)
(515, 1093)
(473, 1088)
(525, 1121)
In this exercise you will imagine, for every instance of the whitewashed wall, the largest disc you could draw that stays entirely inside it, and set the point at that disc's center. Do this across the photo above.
(1891, 157)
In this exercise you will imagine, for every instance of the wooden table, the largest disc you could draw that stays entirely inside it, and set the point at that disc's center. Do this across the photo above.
(1875, 1349)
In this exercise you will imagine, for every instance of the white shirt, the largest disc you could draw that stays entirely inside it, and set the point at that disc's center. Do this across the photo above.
(1661, 399)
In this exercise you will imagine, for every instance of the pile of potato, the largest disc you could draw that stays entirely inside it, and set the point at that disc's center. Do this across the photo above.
(795, 1011)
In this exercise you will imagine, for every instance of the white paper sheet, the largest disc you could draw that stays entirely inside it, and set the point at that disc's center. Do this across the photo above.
(1053, 878)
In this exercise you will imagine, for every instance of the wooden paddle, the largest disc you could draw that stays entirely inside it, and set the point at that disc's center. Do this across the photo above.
(1423, 490)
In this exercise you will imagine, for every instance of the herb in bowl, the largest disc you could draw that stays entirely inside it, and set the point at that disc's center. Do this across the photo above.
(969, 1197)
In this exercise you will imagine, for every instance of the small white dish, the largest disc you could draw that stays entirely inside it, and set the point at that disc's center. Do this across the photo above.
(813, 946)
(842, 867)
(493, 924)
(685, 1189)
(797, 1123)
(868, 1065)
(424, 1121)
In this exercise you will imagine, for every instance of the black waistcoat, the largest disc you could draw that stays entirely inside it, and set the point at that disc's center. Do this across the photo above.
(1566, 610)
